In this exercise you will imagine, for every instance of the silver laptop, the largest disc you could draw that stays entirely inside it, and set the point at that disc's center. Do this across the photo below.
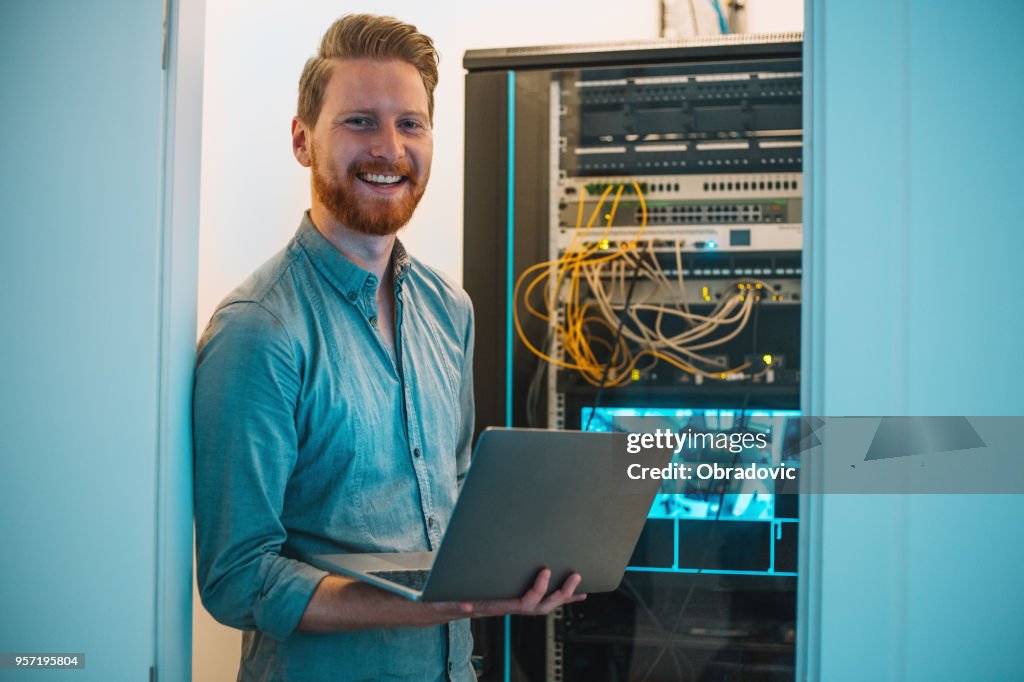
(533, 498)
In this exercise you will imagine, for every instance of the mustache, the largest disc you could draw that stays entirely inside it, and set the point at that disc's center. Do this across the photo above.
(401, 168)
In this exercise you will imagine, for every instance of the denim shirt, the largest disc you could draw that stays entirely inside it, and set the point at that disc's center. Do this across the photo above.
(310, 438)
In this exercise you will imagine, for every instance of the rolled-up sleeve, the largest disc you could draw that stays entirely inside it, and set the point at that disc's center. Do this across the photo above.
(244, 400)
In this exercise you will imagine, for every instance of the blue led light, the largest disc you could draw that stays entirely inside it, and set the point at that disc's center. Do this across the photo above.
(712, 245)
(510, 229)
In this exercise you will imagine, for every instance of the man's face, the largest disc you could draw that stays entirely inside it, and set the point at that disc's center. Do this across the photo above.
(372, 145)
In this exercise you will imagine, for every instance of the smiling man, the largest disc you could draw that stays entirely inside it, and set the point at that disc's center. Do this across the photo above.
(333, 394)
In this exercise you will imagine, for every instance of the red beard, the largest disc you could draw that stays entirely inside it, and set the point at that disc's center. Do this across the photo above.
(365, 213)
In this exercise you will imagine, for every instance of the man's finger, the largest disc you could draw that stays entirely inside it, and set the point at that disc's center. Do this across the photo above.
(529, 601)
(561, 596)
(571, 583)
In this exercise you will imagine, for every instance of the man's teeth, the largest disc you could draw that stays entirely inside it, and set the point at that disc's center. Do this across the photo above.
(381, 179)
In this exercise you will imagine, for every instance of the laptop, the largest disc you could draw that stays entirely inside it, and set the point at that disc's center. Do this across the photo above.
(533, 499)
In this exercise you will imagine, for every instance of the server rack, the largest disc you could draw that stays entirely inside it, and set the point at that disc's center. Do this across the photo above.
(700, 143)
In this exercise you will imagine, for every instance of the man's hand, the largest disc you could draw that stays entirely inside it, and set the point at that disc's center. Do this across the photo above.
(341, 603)
(532, 603)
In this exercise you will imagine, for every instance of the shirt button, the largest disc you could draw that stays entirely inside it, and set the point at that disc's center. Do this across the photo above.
(373, 321)
(451, 666)
(430, 521)
(417, 452)
(351, 295)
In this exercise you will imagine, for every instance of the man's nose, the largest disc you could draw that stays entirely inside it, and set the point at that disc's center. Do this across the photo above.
(388, 144)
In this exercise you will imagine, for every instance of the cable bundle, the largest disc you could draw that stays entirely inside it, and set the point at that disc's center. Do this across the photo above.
(583, 299)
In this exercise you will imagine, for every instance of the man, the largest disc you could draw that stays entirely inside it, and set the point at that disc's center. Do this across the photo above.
(333, 394)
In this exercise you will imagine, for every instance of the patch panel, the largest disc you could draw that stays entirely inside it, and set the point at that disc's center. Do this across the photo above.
(758, 186)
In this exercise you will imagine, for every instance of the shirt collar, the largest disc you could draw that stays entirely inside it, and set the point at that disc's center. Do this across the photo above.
(345, 275)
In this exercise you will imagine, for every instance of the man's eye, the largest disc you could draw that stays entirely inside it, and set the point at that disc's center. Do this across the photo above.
(412, 125)
(358, 121)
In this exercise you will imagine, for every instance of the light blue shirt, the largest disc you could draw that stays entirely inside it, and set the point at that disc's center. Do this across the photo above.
(310, 438)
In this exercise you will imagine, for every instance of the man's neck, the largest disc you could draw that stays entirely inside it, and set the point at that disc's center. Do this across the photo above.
(368, 251)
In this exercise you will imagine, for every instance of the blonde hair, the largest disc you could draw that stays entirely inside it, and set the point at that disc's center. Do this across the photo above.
(365, 36)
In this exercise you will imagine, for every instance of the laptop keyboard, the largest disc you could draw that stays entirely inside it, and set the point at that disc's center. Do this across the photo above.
(412, 579)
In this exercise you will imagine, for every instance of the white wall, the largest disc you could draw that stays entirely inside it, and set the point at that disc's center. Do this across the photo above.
(774, 16)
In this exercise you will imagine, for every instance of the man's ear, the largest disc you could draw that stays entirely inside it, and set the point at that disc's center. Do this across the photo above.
(302, 138)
